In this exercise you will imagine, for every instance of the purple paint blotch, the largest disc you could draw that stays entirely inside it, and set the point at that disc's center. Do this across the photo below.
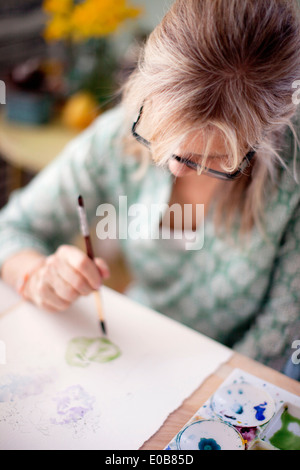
(72, 405)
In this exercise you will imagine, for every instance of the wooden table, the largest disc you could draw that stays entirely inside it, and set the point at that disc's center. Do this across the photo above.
(32, 148)
(9, 300)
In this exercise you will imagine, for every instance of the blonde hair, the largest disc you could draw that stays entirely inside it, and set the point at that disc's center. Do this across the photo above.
(227, 65)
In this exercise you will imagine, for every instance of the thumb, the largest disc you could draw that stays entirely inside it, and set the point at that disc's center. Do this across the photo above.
(103, 267)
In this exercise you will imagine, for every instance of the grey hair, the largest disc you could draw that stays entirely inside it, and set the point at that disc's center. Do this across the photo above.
(225, 66)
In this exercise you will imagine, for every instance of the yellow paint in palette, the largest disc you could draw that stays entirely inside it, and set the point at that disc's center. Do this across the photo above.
(261, 445)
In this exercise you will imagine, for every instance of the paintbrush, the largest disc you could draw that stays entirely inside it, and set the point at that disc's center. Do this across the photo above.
(89, 251)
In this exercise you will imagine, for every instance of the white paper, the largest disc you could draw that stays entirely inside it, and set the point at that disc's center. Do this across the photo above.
(8, 298)
(45, 403)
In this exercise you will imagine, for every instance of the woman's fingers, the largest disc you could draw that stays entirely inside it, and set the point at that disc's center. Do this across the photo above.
(44, 296)
(83, 265)
(72, 278)
(102, 266)
(64, 290)
(63, 277)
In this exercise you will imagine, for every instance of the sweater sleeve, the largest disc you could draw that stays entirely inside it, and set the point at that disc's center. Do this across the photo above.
(277, 326)
(43, 215)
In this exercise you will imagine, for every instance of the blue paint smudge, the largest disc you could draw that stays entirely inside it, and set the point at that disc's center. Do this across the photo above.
(21, 387)
(208, 444)
(260, 409)
(238, 409)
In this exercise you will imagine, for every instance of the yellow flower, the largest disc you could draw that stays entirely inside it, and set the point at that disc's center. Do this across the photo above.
(57, 29)
(95, 18)
(88, 19)
(58, 7)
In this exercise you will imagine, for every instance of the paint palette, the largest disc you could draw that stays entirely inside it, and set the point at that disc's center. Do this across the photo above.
(210, 435)
(245, 413)
(243, 405)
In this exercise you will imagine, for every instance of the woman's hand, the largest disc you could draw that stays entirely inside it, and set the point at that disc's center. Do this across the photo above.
(63, 277)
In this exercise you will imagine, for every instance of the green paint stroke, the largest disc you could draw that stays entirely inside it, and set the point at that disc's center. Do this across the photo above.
(286, 438)
(81, 352)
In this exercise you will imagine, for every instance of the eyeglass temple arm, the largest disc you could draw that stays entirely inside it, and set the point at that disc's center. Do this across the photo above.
(138, 137)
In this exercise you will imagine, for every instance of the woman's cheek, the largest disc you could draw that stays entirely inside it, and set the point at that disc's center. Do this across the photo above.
(178, 169)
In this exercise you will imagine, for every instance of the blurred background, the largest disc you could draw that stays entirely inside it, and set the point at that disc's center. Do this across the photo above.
(61, 63)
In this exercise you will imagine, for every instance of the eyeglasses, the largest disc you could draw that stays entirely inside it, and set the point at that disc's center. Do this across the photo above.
(212, 171)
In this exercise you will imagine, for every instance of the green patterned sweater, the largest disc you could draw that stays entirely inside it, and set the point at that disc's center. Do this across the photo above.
(245, 297)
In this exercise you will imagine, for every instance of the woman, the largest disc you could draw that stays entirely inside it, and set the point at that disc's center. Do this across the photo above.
(214, 97)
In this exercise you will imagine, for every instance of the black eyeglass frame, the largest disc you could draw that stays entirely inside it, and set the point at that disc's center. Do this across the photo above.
(194, 166)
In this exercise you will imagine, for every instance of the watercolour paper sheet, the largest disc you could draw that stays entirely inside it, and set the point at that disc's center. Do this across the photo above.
(65, 387)
(8, 298)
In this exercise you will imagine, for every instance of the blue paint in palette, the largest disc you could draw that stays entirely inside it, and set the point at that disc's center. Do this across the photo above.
(208, 444)
(238, 409)
(243, 404)
(209, 434)
(260, 409)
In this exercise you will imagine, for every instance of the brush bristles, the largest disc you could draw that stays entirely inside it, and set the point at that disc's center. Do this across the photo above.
(103, 327)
